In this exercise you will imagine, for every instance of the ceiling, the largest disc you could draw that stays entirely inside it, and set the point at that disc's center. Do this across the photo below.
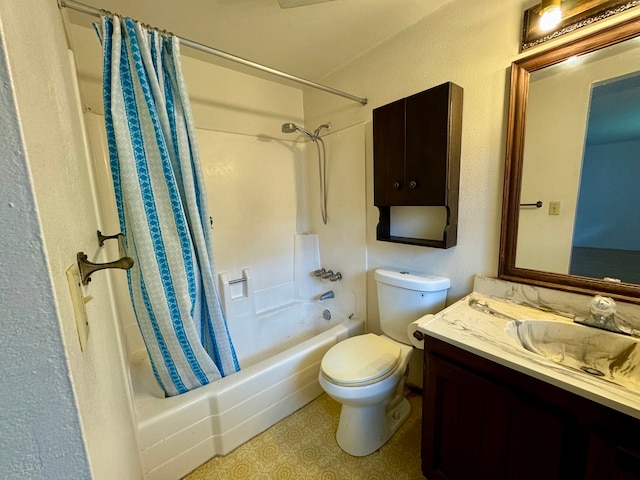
(308, 41)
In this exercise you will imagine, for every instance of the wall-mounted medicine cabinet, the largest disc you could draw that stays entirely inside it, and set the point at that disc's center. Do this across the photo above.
(416, 150)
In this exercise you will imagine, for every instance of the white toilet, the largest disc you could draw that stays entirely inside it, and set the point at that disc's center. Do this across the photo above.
(366, 373)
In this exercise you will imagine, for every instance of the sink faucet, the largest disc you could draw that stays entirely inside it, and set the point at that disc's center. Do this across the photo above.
(602, 311)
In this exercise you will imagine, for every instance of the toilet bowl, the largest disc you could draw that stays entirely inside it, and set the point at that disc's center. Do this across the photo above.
(367, 373)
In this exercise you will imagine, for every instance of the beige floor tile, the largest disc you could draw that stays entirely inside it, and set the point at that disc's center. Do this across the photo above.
(303, 446)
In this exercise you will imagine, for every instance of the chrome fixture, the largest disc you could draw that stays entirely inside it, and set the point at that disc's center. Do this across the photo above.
(237, 280)
(327, 274)
(602, 312)
(322, 159)
(318, 273)
(327, 295)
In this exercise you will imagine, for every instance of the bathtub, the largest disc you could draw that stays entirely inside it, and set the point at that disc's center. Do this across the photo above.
(280, 354)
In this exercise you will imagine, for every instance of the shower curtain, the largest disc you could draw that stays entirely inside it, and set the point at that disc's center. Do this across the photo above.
(162, 207)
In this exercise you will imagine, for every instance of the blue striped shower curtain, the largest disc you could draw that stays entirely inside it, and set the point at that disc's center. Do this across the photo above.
(162, 207)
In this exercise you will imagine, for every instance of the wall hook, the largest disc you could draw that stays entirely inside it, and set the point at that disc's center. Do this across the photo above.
(86, 268)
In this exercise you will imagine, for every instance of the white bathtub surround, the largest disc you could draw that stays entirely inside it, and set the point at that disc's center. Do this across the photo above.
(486, 335)
(279, 339)
(177, 434)
(306, 252)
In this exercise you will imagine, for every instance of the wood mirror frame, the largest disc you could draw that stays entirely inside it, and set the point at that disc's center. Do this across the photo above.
(518, 96)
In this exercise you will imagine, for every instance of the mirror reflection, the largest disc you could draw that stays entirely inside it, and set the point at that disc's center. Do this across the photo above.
(581, 159)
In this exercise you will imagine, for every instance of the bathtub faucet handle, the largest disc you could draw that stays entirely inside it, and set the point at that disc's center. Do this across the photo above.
(335, 277)
(319, 273)
(327, 274)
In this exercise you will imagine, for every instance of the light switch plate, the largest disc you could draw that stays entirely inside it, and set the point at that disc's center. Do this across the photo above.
(79, 304)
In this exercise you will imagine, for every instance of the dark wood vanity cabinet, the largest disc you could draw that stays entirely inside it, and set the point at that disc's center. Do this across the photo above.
(416, 148)
(484, 421)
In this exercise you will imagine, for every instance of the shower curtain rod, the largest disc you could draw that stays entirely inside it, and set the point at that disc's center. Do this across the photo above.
(89, 10)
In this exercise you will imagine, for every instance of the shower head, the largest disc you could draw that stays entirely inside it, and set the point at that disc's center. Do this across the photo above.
(288, 127)
(292, 128)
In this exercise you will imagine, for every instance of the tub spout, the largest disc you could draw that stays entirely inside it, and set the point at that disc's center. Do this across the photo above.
(327, 295)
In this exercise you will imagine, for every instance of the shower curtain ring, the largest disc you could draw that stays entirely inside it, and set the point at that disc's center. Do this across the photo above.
(107, 13)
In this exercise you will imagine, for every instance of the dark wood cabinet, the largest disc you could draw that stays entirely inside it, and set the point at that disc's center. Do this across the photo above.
(610, 459)
(484, 421)
(416, 142)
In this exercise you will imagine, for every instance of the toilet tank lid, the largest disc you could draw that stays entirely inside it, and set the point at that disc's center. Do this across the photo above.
(422, 282)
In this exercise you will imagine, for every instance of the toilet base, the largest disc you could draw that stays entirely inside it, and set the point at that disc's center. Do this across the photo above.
(363, 430)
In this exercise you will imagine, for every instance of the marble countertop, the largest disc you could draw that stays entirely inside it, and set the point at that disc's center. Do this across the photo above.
(484, 334)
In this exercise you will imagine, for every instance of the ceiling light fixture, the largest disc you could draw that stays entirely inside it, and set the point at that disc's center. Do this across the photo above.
(550, 14)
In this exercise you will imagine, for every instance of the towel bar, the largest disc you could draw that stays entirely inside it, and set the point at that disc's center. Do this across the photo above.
(538, 204)
(86, 268)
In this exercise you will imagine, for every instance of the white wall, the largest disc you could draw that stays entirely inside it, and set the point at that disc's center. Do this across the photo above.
(471, 44)
(343, 238)
(52, 420)
(468, 42)
(41, 433)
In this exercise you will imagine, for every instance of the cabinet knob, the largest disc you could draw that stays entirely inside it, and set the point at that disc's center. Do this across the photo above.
(413, 184)
(396, 185)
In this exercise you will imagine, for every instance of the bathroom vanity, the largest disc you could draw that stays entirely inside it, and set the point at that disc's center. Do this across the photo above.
(494, 410)
(513, 388)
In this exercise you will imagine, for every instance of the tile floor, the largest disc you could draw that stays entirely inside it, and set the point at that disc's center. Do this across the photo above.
(303, 446)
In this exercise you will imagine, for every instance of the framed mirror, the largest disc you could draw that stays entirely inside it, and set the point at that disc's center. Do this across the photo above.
(571, 201)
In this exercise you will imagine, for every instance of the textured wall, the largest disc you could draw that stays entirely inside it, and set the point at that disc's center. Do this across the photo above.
(41, 435)
(472, 44)
(98, 408)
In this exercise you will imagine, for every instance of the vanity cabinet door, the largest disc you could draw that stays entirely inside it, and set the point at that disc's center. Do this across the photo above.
(476, 429)
(611, 460)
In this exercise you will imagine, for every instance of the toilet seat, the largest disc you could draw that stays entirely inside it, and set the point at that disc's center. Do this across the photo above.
(361, 360)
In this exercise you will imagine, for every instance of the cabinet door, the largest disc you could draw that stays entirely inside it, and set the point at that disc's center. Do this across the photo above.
(609, 460)
(389, 154)
(427, 146)
(476, 429)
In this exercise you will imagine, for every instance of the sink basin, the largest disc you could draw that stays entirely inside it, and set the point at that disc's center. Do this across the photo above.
(599, 353)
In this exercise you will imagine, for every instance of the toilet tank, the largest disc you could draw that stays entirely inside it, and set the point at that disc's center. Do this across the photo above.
(405, 296)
